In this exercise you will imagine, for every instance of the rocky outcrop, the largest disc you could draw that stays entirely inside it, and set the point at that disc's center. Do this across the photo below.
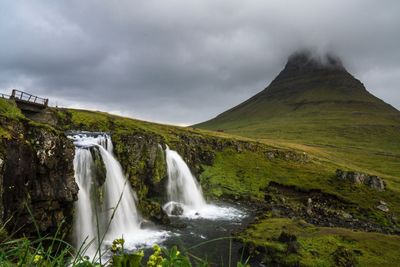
(358, 178)
(142, 159)
(37, 177)
(287, 155)
(323, 209)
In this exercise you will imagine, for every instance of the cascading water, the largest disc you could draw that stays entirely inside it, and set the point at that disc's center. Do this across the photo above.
(84, 224)
(119, 193)
(182, 185)
(185, 195)
(105, 206)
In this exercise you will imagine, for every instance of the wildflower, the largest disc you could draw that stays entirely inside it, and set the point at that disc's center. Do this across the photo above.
(117, 245)
(38, 258)
(155, 260)
(140, 253)
(156, 248)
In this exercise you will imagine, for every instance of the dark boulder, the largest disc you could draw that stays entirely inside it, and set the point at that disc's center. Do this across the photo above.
(177, 210)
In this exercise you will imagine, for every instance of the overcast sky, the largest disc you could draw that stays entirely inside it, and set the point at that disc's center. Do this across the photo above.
(185, 61)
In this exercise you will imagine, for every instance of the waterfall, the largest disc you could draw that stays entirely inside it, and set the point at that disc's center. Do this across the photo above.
(182, 185)
(84, 218)
(118, 192)
(106, 205)
(185, 197)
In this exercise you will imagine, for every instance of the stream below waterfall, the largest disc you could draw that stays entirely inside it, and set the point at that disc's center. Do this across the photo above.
(201, 230)
(106, 207)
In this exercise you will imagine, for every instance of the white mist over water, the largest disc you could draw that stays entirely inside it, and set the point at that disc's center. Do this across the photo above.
(117, 208)
(184, 192)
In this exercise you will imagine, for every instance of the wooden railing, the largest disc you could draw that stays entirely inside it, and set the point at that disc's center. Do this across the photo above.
(5, 96)
(25, 97)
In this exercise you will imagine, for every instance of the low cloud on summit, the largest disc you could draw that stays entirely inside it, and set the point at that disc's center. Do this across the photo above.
(183, 62)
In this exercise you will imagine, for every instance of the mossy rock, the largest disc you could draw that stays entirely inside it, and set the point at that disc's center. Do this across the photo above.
(99, 170)
(153, 211)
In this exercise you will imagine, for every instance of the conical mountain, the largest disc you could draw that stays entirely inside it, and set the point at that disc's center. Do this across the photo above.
(314, 100)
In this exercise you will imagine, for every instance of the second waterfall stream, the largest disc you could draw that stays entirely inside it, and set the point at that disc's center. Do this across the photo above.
(185, 196)
(106, 206)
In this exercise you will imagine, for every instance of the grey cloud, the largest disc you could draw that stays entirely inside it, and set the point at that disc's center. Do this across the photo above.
(186, 61)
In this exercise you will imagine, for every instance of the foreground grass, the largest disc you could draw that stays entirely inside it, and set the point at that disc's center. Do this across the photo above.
(52, 251)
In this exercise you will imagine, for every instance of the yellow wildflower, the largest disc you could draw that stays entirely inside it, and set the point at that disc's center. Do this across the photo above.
(38, 258)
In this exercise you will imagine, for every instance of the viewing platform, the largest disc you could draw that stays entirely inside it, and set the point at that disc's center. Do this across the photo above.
(27, 102)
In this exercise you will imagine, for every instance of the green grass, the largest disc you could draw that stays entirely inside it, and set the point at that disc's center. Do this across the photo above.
(8, 112)
(246, 173)
(318, 244)
(101, 121)
(243, 174)
(9, 109)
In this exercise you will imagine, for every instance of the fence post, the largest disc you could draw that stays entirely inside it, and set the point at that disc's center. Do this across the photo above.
(13, 93)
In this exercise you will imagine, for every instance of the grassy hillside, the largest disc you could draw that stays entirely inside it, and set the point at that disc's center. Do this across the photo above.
(242, 168)
(314, 104)
(323, 110)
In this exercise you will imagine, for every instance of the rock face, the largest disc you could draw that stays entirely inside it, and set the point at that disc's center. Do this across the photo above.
(322, 209)
(371, 181)
(37, 178)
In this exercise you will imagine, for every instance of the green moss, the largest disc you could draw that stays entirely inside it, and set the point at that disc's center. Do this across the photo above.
(9, 109)
(247, 172)
(152, 210)
(4, 134)
(320, 246)
(96, 121)
(99, 169)
(160, 167)
(44, 126)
